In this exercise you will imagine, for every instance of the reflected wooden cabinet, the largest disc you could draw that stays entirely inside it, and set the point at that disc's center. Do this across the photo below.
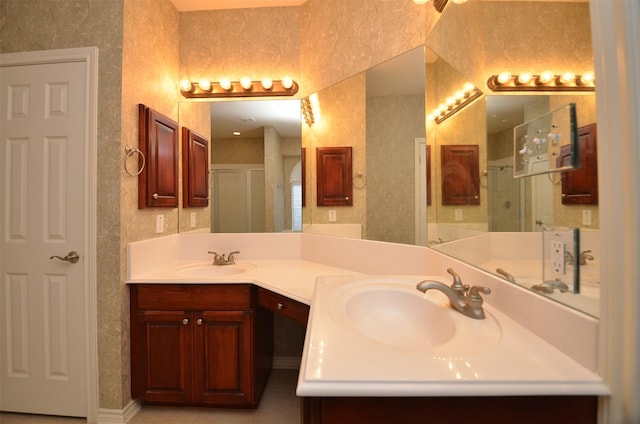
(580, 186)
(195, 169)
(197, 345)
(460, 172)
(158, 142)
(334, 184)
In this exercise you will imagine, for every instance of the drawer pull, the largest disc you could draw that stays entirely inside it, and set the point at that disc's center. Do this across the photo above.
(185, 321)
(199, 321)
(280, 306)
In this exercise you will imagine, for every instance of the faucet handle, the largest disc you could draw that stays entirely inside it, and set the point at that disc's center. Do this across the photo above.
(230, 258)
(457, 285)
(474, 293)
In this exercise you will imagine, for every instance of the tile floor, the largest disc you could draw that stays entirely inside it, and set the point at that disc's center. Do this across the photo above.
(279, 405)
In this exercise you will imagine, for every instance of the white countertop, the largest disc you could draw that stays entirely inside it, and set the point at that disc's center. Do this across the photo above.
(292, 278)
(337, 361)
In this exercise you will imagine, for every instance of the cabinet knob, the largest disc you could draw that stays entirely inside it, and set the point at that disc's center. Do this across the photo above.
(346, 197)
(185, 321)
(280, 306)
(199, 321)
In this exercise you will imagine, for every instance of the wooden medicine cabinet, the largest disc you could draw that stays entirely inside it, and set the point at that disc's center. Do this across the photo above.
(158, 142)
(460, 174)
(334, 184)
(580, 186)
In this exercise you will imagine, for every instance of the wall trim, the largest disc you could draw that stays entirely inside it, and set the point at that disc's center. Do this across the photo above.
(118, 416)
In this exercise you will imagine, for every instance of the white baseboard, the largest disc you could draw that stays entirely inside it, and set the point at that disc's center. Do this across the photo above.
(286, 362)
(118, 416)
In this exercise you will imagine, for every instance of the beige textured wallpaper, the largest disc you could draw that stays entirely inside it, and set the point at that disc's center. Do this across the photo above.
(149, 75)
(341, 122)
(390, 173)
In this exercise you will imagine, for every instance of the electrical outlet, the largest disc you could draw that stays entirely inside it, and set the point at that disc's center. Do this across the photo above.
(332, 215)
(586, 217)
(159, 224)
(458, 215)
(557, 257)
(192, 220)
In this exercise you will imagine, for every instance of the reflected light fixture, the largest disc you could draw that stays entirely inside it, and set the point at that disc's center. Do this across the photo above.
(546, 81)
(205, 88)
(454, 104)
(420, 1)
(307, 106)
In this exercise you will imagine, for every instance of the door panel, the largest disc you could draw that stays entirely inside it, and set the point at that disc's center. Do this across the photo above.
(42, 207)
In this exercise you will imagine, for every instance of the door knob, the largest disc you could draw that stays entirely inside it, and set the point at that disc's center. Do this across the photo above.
(72, 257)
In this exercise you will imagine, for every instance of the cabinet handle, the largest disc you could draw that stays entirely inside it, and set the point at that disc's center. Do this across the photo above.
(155, 195)
(185, 321)
(199, 321)
(280, 306)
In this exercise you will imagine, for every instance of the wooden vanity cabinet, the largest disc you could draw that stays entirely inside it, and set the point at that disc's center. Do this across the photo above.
(451, 410)
(197, 345)
(289, 308)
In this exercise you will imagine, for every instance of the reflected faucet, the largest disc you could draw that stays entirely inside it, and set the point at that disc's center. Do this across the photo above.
(548, 287)
(219, 259)
(463, 299)
(506, 275)
(585, 256)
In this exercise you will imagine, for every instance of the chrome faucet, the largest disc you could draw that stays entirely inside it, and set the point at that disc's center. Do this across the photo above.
(219, 259)
(463, 299)
(549, 286)
(585, 256)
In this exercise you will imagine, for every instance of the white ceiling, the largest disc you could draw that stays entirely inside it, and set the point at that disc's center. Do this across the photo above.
(192, 5)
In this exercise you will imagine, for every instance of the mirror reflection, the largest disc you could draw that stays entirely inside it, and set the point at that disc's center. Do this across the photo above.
(397, 181)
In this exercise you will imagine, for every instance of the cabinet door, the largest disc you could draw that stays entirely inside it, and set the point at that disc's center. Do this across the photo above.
(158, 141)
(223, 361)
(165, 364)
(460, 175)
(580, 186)
(195, 169)
(334, 184)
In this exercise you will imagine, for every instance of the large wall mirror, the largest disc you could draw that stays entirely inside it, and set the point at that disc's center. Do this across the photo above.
(381, 114)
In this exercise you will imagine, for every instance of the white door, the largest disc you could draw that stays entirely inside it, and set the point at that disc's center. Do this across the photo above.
(43, 358)
(541, 195)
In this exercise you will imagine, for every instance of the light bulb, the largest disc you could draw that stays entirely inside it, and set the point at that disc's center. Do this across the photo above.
(524, 77)
(545, 77)
(225, 84)
(566, 78)
(245, 82)
(267, 83)
(504, 77)
(468, 87)
(204, 84)
(420, 1)
(287, 83)
(586, 78)
(459, 1)
(185, 85)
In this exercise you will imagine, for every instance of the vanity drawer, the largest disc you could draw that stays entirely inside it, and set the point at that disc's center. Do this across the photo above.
(191, 296)
(284, 306)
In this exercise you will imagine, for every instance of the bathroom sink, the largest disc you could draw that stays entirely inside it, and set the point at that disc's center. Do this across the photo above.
(204, 270)
(392, 312)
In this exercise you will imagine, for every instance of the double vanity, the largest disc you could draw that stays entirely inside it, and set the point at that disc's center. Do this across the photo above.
(376, 348)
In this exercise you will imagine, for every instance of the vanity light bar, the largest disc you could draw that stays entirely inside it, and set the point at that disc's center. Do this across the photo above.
(307, 111)
(455, 103)
(243, 88)
(546, 81)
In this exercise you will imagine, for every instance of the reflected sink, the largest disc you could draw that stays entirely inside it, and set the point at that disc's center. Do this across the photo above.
(204, 270)
(394, 313)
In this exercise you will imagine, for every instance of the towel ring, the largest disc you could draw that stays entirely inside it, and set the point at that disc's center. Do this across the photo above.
(130, 151)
